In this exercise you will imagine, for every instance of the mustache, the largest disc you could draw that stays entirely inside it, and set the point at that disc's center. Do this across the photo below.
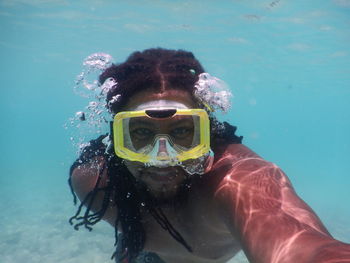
(168, 171)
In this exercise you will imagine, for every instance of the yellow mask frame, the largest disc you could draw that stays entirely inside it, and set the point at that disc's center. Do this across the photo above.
(197, 151)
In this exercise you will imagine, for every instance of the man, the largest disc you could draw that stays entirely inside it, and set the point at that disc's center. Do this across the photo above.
(177, 182)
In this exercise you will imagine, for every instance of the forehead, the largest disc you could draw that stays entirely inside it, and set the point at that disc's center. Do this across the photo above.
(142, 97)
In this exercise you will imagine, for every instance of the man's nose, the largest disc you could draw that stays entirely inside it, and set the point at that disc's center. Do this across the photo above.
(162, 150)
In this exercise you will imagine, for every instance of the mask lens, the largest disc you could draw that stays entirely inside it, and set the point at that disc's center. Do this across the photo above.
(143, 131)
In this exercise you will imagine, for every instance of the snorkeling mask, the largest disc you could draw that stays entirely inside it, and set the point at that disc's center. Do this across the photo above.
(162, 134)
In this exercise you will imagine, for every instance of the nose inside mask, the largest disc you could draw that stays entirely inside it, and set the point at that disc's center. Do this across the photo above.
(163, 153)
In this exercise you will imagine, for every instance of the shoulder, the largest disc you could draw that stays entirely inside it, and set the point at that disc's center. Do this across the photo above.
(237, 170)
(89, 176)
(92, 149)
(241, 175)
(91, 164)
(233, 156)
(84, 176)
(247, 171)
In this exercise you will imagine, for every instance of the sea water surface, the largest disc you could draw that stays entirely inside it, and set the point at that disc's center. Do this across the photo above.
(286, 62)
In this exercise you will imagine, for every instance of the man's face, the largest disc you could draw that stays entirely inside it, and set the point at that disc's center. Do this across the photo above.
(163, 182)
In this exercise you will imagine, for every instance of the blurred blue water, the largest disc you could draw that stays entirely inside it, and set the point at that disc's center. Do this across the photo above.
(287, 63)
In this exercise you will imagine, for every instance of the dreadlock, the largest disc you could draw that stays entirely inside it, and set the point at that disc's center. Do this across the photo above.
(128, 199)
(142, 70)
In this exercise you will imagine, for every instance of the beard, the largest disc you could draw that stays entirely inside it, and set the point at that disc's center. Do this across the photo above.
(162, 196)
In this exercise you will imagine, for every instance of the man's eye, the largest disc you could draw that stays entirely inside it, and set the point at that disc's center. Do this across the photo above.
(181, 132)
(141, 133)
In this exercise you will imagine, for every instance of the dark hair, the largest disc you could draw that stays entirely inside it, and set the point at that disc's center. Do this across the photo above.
(155, 70)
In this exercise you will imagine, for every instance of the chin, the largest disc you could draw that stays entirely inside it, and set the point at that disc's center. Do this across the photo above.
(163, 194)
(165, 185)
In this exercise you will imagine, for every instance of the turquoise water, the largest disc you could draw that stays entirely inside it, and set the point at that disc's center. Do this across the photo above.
(287, 63)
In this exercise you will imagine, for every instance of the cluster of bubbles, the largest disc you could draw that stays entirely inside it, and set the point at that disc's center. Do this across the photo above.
(213, 92)
(199, 165)
(94, 118)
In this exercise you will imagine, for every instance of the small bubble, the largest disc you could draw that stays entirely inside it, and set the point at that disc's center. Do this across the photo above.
(80, 115)
(92, 104)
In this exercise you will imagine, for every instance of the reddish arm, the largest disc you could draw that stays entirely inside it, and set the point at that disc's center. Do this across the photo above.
(271, 221)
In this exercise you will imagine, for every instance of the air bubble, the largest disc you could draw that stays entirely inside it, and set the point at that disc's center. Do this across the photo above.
(213, 92)
(114, 99)
(94, 118)
(80, 115)
(98, 61)
(92, 104)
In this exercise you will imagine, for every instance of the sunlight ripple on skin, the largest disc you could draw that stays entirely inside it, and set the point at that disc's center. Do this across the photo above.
(257, 186)
(283, 249)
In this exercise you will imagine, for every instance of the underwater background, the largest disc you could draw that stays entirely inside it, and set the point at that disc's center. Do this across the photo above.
(286, 62)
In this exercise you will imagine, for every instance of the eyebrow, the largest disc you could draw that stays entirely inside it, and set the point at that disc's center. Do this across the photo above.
(141, 122)
(151, 124)
(179, 122)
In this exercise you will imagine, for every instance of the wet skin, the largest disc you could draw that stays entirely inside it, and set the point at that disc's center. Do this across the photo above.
(243, 202)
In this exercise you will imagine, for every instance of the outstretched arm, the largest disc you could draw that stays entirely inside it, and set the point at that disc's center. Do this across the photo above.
(271, 221)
